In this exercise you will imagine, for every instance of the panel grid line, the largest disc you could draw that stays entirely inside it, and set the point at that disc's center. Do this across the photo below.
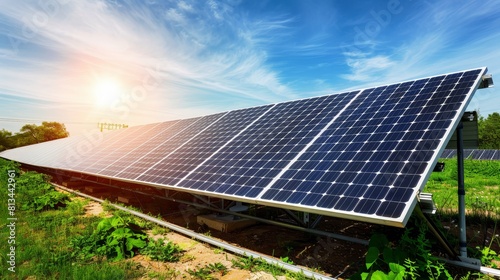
(225, 144)
(183, 144)
(138, 147)
(287, 167)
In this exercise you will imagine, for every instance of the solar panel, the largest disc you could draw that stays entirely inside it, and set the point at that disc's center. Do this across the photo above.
(134, 149)
(483, 154)
(246, 164)
(148, 154)
(108, 154)
(362, 155)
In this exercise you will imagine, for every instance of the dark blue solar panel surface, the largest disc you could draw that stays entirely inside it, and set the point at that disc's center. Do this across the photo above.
(362, 155)
(169, 140)
(250, 161)
(179, 163)
(109, 151)
(158, 171)
(372, 159)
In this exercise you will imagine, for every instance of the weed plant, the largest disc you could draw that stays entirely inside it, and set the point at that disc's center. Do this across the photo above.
(256, 264)
(162, 250)
(115, 237)
(209, 271)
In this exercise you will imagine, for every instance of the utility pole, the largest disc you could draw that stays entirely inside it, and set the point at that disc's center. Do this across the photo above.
(110, 126)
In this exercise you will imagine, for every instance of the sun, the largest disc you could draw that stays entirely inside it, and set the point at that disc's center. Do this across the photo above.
(106, 92)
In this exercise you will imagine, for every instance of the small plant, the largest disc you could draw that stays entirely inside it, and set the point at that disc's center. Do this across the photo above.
(219, 250)
(115, 237)
(49, 200)
(207, 271)
(256, 264)
(249, 263)
(159, 230)
(35, 193)
(158, 250)
(411, 259)
(286, 260)
(218, 268)
(168, 274)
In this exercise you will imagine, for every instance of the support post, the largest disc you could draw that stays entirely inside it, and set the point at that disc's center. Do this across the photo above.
(461, 192)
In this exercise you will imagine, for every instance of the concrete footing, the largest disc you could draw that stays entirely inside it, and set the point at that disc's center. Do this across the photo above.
(225, 223)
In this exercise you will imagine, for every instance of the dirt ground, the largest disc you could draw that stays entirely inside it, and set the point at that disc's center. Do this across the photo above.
(336, 258)
(195, 256)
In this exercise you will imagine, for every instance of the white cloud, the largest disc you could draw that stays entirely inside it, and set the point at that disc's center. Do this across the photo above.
(187, 53)
(185, 6)
(174, 15)
(366, 67)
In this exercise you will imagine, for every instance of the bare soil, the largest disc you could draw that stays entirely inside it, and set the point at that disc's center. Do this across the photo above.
(332, 257)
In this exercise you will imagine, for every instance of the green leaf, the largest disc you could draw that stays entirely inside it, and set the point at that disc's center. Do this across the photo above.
(371, 257)
(117, 222)
(388, 255)
(104, 225)
(379, 241)
(396, 268)
(365, 275)
(133, 242)
(379, 275)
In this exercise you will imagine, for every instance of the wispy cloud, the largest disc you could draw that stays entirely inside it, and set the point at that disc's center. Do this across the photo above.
(179, 48)
(430, 38)
(364, 67)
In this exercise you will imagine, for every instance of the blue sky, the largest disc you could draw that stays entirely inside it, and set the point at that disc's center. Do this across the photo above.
(165, 60)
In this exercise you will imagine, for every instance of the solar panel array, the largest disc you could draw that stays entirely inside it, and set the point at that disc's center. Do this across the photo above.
(362, 155)
(483, 154)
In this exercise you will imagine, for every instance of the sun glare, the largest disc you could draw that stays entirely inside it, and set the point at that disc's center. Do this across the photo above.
(106, 92)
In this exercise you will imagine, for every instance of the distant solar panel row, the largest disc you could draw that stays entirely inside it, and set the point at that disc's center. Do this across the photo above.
(473, 154)
(362, 155)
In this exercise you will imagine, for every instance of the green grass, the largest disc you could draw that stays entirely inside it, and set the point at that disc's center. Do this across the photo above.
(42, 238)
(482, 186)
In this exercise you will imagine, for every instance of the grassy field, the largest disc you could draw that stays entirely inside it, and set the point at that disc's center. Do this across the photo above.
(42, 239)
(482, 186)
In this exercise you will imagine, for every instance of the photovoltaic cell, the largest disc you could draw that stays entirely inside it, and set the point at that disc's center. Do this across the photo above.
(156, 149)
(138, 148)
(107, 154)
(167, 168)
(483, 154)
(185, 159)
(251, 160)
(362, 155)
(372, 160)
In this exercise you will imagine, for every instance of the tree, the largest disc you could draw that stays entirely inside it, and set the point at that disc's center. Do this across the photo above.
(53, 130)
(32, 134)
(6, 140)
(489, 131)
